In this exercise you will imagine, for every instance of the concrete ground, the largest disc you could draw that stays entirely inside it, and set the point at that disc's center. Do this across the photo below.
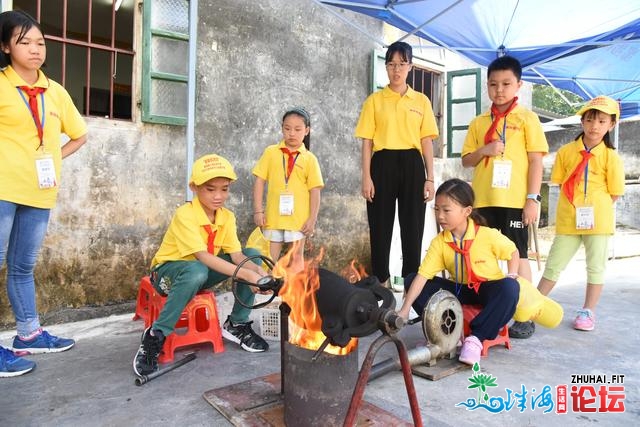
(93, 384)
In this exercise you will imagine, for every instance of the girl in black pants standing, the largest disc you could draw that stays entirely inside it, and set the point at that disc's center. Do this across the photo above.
(397, 128)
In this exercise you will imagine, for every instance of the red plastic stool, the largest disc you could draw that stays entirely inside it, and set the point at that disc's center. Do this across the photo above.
(469, 312)
(198, 324)
(143, 301)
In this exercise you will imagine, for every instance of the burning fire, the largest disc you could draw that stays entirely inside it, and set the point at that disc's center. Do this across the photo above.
(301, 280)
(354, 272)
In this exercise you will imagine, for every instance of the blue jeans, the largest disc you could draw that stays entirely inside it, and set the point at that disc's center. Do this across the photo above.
(22, 230)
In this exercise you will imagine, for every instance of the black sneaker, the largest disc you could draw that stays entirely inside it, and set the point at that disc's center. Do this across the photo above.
(243, 334)
(146, 360)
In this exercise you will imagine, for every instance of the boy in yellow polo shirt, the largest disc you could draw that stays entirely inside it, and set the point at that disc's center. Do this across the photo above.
(505, 146)
(199, 249)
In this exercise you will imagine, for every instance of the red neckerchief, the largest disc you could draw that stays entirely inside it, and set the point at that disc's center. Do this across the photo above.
(473, 280)
(497, 115)
(33, 93)
(291, 160)
(211, 239)
(569, 186)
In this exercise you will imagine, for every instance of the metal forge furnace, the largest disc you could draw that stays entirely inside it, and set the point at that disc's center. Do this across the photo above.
(315, 387)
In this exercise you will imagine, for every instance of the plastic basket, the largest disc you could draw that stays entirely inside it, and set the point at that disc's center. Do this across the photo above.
(270, 323)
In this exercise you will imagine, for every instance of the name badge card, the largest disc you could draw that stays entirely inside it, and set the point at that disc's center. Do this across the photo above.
(286, 204)
(585, 218)
(46, 170)
(501, 174)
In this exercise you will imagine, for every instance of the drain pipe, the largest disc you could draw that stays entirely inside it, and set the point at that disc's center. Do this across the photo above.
(191, 91)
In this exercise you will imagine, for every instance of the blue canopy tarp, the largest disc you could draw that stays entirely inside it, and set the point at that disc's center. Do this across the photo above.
(612, 70)
(589, 47)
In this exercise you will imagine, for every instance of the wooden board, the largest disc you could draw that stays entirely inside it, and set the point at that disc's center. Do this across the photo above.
(443, 368)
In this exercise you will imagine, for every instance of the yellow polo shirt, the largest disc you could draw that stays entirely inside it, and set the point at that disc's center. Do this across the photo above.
(186, 234)
(524, 135)
(605, 178)
(305, 176)
(488, 247)
(19, 138)
(396, 122)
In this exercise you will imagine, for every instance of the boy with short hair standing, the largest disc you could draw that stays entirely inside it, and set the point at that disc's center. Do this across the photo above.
(199, 249)
(505, 145)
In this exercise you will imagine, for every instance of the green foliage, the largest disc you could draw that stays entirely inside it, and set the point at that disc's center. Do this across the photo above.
(546, 98)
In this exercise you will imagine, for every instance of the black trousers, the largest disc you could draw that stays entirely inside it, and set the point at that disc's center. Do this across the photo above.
(498, 298)
(397, 175)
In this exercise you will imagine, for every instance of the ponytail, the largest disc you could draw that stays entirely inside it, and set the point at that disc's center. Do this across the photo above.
(477, 218)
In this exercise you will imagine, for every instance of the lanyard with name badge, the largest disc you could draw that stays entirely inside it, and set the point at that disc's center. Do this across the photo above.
(45, 166)
(501, 177)
(286, 197)
(455, 263)
(585, 215)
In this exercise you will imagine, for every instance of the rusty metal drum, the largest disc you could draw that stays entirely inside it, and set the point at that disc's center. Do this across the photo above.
(317, 393)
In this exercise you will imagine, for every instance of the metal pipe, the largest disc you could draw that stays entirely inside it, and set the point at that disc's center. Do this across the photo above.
(320, 349)
(408, 382)
(365, 370)
(143, 379)
(534, 231)
(416, 356)
(191, 91)
(284, 337)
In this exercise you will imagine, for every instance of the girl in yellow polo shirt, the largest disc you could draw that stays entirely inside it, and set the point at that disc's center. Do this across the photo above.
(591, 175)
(397, 128)
(34, 112)
(294, 181)
(470, 252)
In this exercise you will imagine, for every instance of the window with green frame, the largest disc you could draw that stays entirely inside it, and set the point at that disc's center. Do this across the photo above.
(165, 47)
(463, 104)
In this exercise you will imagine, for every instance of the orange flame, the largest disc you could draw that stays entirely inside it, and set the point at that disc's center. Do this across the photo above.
(301, 281)
(354, 272)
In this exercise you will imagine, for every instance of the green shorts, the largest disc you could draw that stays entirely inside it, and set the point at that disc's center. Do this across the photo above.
(565, 246)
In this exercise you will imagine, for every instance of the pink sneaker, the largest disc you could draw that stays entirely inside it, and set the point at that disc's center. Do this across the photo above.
(471, 350)
(585, 321)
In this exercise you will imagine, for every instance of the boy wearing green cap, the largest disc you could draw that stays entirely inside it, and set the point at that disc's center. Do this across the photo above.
(199, 249)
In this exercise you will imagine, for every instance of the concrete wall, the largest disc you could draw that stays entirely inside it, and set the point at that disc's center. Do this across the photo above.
(256, 59)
